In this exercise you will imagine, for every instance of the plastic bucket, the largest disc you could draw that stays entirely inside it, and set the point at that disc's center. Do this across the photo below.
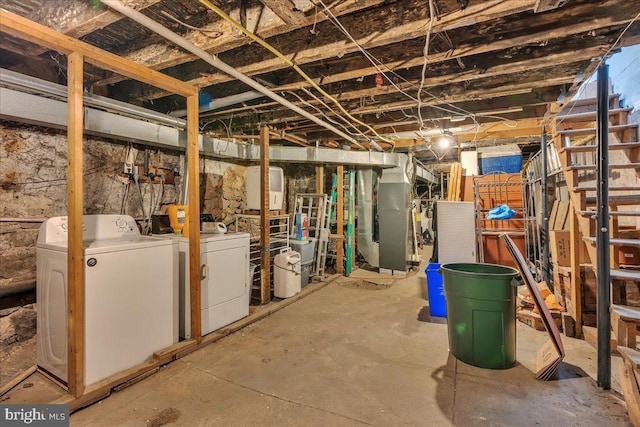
(481, 309)
(435, 291)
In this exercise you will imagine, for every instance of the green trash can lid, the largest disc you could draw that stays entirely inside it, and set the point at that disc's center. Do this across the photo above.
(480, 269)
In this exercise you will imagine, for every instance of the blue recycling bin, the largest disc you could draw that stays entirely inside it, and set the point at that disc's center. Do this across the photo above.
(435, 291)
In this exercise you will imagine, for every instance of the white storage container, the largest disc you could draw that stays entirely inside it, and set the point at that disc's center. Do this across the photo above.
(286, 274)
(276, 188)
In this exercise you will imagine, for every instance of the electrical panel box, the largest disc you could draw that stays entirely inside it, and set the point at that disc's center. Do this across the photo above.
(276, 188)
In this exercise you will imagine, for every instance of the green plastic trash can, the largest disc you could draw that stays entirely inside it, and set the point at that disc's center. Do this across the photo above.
(481, 311)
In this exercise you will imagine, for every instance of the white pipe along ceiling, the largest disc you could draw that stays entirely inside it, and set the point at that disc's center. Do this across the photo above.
(225, 68)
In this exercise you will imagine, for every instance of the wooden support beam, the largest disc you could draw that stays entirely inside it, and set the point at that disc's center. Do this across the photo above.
(340, 220)
(30, 31)
(496, 67)
(576, 284)
(319, 179)
(412, 17)
(75, 264)
(159, 56)
(265, 255)
(79, 19)
(193, 168)
(609, 14)
(544, 5)
(285, 11)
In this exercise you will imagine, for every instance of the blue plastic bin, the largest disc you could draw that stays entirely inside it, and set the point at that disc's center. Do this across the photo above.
(435, 290)
(506, 164)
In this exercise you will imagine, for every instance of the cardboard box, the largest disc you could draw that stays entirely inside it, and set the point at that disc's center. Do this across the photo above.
(560, 246)
(534, 320)
(629, 255)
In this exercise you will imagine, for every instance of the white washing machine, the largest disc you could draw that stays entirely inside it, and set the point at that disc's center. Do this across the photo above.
(226, 285)
(131, 295)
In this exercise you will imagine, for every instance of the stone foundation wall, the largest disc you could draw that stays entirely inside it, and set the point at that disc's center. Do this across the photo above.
(33, 187)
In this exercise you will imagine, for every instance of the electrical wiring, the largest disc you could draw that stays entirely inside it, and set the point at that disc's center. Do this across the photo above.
(425, 53)
(308, 104)
(289, 62)
(321, 102)
(460, 111)
(191, 27)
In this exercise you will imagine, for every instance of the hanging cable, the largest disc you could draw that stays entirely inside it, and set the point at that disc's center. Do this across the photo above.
(324, 104)
(425, 53)
(191, 27)
(308, 104)
(290, 63)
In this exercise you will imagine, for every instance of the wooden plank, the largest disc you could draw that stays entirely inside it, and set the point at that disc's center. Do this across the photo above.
(630, 354)
(285, 11)
(630, 391)
(25, 29)
(340, 220)
(265, 255)
(544, 5)
(168, 354)
(576, 285)
(193, 170)
(75, 265)
(320, 179)
(102, 388)
(17, 380)
(79, 20)
(493, 69)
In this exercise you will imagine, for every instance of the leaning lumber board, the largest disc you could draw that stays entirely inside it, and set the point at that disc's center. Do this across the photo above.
(17, 380)
(630, 391)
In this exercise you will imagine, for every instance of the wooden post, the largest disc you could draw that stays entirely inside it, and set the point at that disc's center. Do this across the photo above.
(265, 255)
(340, 221)
(576, 283)
(193, 160)
(75, 265)
(319, 179)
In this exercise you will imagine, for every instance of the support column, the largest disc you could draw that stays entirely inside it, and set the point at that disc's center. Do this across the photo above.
(340, 220)
(320, 179)
(265, 255)
(193, 197)
(75, 265)
(602, 231)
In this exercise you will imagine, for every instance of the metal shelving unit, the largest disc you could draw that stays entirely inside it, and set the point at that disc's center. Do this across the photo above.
(504, 189)
(279, 226)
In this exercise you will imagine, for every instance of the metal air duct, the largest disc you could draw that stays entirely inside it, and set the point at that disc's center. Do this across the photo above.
(367, 179)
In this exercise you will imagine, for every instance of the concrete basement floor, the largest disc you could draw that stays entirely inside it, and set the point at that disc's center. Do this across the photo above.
(358, 355)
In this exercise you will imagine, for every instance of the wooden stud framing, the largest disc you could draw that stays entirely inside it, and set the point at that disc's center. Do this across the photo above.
(31, 31)
(193, 161)
(75, 265)
(79, 52)
(340, 220)
(265, 255)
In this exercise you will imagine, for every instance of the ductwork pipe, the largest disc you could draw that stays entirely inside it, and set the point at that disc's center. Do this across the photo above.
(220, 65)
(222, 102)
(366, 246)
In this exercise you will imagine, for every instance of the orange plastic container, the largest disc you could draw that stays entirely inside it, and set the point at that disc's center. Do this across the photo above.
(179, 219)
